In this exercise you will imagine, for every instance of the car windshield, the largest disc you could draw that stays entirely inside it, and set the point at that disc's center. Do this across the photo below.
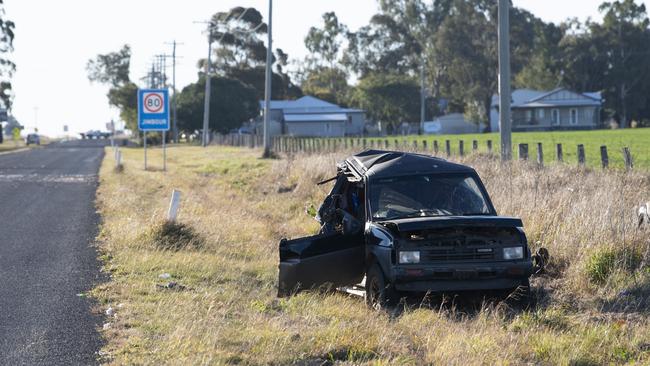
(426, 195)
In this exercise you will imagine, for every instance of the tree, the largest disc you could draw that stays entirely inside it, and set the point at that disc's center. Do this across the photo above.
(330, 84)
(324, 44)
(240, 52)
(388, 98)
(624, 39)
(7, 67)
(323, 77)
(111, 68)
(231, 103)
(466, 49)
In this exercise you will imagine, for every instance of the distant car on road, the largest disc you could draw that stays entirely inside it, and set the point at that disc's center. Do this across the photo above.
(95, 134)
(32, 138)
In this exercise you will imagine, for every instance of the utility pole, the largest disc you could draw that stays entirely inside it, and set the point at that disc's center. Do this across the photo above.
(174, 113)
(206, 105)
(504, 80)
(152, 80)
(267, 86)
(422, 98)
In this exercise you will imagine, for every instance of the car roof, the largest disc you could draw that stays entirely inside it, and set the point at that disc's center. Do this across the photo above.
(382, 164)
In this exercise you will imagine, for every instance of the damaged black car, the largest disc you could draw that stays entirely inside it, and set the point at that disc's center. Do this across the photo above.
(397, 222)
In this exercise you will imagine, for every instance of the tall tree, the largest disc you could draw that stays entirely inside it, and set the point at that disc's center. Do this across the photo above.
(113, 69)
(231, 103)
(466, 45)
(7, 67)
(388, 98)
(240, 52)
(323, 76)
(625, 40)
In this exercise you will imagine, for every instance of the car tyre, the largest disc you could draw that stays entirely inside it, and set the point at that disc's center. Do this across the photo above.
(380, 294)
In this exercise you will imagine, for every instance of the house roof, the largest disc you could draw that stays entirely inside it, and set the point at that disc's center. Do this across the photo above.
(307, 104)
(528, 98)
(320, 117)
(382, 164)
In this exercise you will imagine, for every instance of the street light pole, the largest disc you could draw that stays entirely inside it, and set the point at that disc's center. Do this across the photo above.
(206, 105)
(504, 80)
(267, 86)
(174, 114)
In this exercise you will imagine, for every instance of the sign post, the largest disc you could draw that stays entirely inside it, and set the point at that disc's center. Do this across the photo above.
(153, 115)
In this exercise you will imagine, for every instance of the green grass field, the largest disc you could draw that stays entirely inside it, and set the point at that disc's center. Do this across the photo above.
(638, 140)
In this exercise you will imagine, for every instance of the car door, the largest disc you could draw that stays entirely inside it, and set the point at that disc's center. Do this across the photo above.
(334, 259)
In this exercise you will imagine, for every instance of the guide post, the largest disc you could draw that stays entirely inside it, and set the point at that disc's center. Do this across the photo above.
(153, 115)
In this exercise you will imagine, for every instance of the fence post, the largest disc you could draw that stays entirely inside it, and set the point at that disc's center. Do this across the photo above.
(372, 144)
(415, 145)
(386, 144)
(365, 143)
(558, 153)
(581, 154)
(461, 148)
(523, 151)
(604, 157)
(424, 145)
(489, 146)
(396, 147)
(435, 147)
(627, 157)
(474, 146)
(540, 154)
(448, 147)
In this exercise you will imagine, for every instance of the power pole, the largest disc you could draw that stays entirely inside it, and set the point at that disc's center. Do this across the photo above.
(267, 86)
(504, 80)
(174, 110)
(206, 105)
(422, 98)
(152, 80)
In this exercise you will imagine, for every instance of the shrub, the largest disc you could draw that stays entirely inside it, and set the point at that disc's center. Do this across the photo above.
(175, 236)
(602, 263)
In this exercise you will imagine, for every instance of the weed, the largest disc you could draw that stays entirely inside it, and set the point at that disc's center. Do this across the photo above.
(175, 236)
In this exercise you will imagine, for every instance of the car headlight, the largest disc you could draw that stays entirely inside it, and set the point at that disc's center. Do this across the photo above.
(409, 257)
(513, 253)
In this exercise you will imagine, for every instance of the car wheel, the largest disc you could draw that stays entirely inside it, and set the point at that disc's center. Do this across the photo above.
(379, 293)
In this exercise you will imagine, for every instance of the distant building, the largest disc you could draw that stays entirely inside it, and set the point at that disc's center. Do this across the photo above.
(312, 117)
(452, 123)
(558, 109)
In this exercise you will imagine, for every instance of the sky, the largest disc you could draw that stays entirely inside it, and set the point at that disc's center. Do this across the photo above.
(55, 39)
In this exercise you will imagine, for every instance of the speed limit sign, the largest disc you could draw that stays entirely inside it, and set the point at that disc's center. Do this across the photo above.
(153, 111)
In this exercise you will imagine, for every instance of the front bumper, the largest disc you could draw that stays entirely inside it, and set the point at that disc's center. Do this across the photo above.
(461, 276)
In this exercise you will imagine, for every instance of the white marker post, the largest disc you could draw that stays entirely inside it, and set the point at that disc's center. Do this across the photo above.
(173, 206)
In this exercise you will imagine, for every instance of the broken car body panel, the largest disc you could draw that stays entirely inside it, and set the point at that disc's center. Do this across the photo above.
(428, 223)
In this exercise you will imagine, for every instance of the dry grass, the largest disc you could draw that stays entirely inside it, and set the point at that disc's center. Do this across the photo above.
(240, 206)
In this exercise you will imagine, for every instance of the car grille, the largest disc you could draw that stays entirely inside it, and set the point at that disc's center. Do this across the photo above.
(455, 254)
(457, 249)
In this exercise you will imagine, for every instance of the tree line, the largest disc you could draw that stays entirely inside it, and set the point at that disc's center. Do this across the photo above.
(452, 43)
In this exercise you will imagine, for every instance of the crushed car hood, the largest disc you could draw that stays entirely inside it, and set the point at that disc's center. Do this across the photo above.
(423, 223)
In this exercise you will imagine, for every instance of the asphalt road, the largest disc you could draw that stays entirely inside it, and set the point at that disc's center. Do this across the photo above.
(48, 223)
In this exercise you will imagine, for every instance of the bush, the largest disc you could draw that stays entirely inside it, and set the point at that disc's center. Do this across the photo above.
(605, 261)
(175, 236)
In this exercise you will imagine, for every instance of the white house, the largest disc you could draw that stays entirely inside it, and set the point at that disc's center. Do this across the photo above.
(558, 109)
